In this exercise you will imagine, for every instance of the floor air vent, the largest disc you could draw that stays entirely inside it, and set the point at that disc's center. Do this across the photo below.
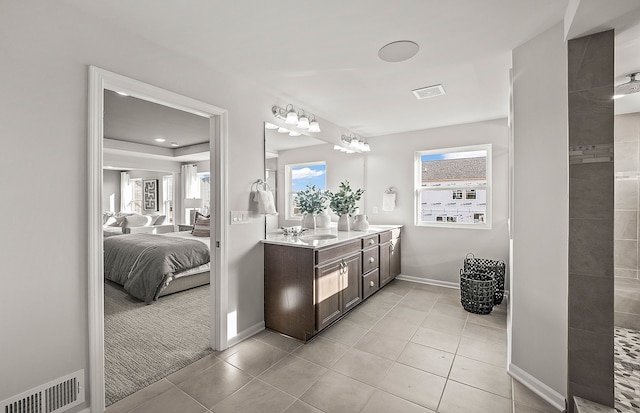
(53, 397)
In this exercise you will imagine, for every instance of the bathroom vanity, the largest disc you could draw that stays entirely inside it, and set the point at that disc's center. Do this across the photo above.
(312, 280)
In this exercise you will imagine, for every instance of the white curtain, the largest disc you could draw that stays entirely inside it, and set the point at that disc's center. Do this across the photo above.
(126, 192)
(190, 181)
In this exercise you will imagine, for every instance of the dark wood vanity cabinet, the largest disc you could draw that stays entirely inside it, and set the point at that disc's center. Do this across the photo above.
(389, 256)
(307, 289)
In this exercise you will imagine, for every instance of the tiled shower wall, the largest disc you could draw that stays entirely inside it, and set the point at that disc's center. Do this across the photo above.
(626, 221)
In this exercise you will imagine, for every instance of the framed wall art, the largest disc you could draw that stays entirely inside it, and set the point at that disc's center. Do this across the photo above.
(150, 194)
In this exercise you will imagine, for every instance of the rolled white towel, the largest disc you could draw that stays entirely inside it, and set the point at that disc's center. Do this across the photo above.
(388, 201)
(266, 204)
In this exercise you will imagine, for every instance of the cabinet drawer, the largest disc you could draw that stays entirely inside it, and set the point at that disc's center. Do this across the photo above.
(389, 235)
(369, 260)
(370, 283)
(369, 241)
(328, 254)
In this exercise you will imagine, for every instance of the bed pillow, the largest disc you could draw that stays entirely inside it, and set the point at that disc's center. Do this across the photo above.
(201, 228)
(159, 220)
(137, 220)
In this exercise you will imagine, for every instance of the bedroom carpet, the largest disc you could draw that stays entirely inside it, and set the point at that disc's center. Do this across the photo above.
(144, 343)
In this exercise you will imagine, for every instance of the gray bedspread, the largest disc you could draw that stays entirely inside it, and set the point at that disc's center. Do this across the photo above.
(143, 262)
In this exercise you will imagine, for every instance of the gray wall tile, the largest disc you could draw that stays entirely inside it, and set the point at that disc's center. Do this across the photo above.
(625, 254)
(631, 321)
(626, 194)
(590, 61)
(627, 127)
(591, 189)
(625, 225)
(587, 293)
(591, 116)
(591, 358)
(591, 247)
(626, 156)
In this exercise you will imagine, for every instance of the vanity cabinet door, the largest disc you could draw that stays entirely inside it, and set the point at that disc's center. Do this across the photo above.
(385, 263)
(328, 296)
(389, 255)
(394, 258)
(352, 282)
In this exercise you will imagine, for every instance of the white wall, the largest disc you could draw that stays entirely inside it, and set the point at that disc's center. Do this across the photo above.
(540, 225)
(46, 49)
(437, 253)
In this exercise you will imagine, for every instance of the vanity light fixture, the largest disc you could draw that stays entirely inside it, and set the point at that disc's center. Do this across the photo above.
(297, 118)
(270, 126)
(283, 130)
(352, 144)
(294, 133)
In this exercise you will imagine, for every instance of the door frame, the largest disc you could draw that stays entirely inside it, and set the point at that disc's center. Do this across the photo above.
(99, 80)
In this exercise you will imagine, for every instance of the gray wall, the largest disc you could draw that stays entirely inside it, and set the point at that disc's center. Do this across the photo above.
(427, 252)
(590, 340)
(626, 223)
(538, 306)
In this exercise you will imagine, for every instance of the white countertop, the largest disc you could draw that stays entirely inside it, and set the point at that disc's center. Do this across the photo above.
(304, 240)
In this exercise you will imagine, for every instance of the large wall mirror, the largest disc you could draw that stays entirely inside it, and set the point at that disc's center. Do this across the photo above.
(292, 162)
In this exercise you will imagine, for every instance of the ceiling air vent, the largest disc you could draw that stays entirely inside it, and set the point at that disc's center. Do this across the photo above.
(429, 92)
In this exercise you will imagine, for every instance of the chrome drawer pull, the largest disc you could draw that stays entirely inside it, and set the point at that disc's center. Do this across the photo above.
(372, 284)
(371, 259)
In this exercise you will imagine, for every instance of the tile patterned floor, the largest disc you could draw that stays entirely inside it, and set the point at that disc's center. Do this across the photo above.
(410, 348)
(627, 369)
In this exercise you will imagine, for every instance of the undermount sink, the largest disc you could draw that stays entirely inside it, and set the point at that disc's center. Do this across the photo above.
(318, 237)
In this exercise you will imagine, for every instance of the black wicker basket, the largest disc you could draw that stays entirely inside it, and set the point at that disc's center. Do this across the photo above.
(495, 268)
(476, 292)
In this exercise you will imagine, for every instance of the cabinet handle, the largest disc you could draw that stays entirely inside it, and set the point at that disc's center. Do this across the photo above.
(370, 242)
(372, 284)
(371, 260)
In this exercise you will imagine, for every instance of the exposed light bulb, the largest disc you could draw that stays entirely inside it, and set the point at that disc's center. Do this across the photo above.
(314, 126)
(283, 130)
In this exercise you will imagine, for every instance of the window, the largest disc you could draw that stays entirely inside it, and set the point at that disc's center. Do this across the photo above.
(167, 197)
(297, 177)
(204, 180)
(137, 195)
(453, 187)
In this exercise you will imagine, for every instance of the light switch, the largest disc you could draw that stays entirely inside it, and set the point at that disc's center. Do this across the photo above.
(240, 217)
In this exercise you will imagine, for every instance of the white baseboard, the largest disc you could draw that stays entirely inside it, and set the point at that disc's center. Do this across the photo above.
(421, 280)
(246, 333)
(547, 393)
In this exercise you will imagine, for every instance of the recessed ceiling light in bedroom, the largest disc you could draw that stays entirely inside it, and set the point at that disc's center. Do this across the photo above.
(159, 140)
(398, 51)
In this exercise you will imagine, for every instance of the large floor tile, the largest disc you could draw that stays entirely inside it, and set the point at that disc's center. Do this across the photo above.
(399, 287)
(459, 398)
(214, 384)
(293, 375)
(140, 397)
(408, 315)
(171, 401)
(322, 351)
(256, 396)
(486, 351)
(450, 310)
(335, 393)
(278, 340)
(255, 357)
(383, 402)
(302, 407)
(362, 318)
(365, 367)
(391, 326)
(494, 319)
(420, 300)
(387, 296)
(436, 339)
(345, 332)
(480, 332)
(414, 385)
(381, 345)
(426, 358)
(444, 323)
(192, 369)
(481, 375)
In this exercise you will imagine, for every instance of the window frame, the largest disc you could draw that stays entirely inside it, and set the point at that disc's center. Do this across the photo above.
(290, 193)
(463, 187)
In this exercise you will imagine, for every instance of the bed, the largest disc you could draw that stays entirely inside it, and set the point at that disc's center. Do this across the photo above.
(150, 266)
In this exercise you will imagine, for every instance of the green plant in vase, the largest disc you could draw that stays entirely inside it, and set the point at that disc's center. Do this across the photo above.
(343, 203)
(311, 201)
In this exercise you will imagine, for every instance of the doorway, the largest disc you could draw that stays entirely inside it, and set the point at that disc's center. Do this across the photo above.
(99, 81)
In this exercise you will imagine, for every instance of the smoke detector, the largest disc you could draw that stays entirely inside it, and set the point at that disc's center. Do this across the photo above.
(632, 86)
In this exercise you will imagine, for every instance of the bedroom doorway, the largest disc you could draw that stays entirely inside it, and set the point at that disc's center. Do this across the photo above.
(102, 82)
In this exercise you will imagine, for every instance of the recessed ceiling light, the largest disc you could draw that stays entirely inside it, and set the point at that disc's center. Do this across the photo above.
(398, 51)
(428, 92)
(175, 144)
(159, 139)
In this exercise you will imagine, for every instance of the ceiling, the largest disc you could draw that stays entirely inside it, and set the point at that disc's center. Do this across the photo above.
(323, 55)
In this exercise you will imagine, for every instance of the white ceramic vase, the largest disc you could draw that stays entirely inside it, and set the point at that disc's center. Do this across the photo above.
(344, 223)
(323, 220)
(308, 221)
(360, 223)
